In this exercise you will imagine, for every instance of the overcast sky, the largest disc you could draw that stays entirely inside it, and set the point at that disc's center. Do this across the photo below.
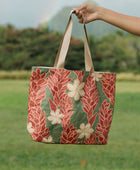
(30, 13)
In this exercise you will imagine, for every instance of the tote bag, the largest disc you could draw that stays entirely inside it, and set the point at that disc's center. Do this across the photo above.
(70, 106)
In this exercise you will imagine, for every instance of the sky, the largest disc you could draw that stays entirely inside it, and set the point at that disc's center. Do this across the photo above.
(31, 13)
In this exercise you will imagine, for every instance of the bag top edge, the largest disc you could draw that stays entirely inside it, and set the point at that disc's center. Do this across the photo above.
(43, 67)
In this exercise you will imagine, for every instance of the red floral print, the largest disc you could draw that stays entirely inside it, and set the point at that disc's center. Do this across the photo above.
(37, 126)
(55, 114)
(108, 83)
(66, 109)
(57, 82)
(105, 119)
(79, 75)
(90, 99)
(69, 135)
(37, 81)
(37, 120)
(91, 140)
(63, 92)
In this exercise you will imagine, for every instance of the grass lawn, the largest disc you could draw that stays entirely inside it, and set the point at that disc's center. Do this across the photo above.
(19, 152)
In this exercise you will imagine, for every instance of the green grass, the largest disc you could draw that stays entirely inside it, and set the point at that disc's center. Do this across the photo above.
(19, 152)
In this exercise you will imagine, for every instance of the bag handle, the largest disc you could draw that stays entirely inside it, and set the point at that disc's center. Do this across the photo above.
(63, 49)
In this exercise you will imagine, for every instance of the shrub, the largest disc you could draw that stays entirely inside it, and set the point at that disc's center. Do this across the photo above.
(15, 74)
(25, 75)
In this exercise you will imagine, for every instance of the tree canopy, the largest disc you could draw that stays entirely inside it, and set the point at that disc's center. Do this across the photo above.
(21, 49)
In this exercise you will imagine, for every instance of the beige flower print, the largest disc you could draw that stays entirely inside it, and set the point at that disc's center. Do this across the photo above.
(29, 128)
(96, 76)
(55, 117)
(76, 89)
(85, 130)
(48, 140)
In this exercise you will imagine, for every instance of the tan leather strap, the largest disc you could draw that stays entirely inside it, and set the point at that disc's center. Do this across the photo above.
(63, 49)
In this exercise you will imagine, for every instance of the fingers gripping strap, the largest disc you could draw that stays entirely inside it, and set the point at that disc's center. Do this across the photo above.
(63, 49)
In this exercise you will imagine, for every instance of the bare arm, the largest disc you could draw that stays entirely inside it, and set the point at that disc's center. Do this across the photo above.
(90, 12)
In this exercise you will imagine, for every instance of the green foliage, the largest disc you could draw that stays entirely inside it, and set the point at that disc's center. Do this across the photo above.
(21, 49)
(117, 52)
(18, 151)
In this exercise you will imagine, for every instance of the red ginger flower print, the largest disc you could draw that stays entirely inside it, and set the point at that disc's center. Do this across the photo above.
(36, 98)
(79, 75)
(91, 140)
(108, 83)
(90, 99)
(105, 119)
(37, 81)
(37, 120)
(37, 127)
(57, 82)
(69, 135)
(66, 109)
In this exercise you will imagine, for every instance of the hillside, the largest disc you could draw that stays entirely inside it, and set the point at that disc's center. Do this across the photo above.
(96, 28)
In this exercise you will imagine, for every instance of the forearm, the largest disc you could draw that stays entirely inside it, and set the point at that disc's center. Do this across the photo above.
(125, 22)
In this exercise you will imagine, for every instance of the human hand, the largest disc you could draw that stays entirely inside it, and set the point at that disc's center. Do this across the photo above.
(87, 13)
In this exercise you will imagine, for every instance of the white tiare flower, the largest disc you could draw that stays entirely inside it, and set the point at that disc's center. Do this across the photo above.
(96, 76)
(55, 117)
(29, 128)
(76, 89)
(85, 130)
(48, 140)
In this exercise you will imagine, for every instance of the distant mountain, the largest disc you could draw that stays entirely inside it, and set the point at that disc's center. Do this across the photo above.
(96, 28)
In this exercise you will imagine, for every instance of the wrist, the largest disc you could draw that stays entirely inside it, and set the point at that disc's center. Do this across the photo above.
(100, 13)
